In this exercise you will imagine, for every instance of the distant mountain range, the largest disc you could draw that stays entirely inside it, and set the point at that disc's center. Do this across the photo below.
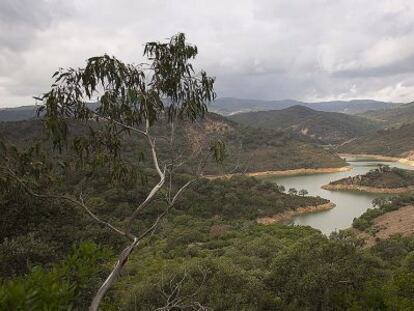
(327, 127)
(229, 105)
(18, 113)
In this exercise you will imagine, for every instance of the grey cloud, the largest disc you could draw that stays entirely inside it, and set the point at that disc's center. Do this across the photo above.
(28, 13)
(396, 68)
(20, 20)
(299, 49)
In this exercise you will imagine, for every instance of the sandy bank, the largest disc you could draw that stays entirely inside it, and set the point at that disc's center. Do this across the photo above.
(368, 189)
(285, 216)
(300, 171)
(377, 157)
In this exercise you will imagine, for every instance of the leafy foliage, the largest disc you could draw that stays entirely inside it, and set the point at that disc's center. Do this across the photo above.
(129, 95)
(66, 285)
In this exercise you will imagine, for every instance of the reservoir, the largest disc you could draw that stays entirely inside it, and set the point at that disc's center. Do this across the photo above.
(348, 204)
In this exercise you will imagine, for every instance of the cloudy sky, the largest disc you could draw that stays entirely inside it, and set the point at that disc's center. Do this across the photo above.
(268, 49)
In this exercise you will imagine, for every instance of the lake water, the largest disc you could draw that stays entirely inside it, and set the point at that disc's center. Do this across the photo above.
(348, 204)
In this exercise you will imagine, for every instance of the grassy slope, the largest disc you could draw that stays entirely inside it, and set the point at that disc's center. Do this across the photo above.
(330, 127)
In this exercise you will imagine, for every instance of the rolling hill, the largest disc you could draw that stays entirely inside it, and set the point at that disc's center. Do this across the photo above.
(393, 117)
(393, 142)
(248, 149)
(230, 105)
(328, 127)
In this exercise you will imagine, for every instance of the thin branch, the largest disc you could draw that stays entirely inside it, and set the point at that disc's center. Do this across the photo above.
(134, 129)
(174, 299)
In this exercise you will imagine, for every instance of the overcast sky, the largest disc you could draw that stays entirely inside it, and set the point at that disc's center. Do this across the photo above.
(269, 49)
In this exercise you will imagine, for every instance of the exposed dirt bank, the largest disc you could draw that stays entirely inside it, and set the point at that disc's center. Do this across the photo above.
(368, 189)
(400, 221)
(361, 156)
(285, 216)
(300, 171)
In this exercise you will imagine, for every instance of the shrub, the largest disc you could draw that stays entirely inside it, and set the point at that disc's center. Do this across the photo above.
(66, 285)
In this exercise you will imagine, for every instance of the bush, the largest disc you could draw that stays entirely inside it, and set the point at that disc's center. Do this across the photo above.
(66, 285)
(18, 254)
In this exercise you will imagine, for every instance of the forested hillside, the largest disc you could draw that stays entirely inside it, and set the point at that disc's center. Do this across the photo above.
(395, 117)
(328, 127)
(382, 179)
(209, 253)
(247, 149)
(395, 142)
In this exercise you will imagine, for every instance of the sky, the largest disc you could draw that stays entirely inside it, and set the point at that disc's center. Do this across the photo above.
(310, 50)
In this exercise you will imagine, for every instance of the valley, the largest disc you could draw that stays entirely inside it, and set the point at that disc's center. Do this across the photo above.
(348, 205)
(261, 158)
(264, 202)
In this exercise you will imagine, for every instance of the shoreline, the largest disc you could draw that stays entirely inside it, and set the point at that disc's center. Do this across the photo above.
(288, 215)
(294, 172)
(378, 157)
(400, 190)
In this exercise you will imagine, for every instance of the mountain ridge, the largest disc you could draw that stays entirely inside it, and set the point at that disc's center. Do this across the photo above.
(233, 105)
(327, 127)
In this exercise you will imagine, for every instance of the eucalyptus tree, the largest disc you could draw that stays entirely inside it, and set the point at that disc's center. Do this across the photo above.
(116, 99)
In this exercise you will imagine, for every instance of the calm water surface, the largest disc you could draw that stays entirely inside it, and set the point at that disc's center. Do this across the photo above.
(348, 204)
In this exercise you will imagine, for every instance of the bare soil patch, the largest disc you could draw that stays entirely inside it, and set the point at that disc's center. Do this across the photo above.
(400, 221)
